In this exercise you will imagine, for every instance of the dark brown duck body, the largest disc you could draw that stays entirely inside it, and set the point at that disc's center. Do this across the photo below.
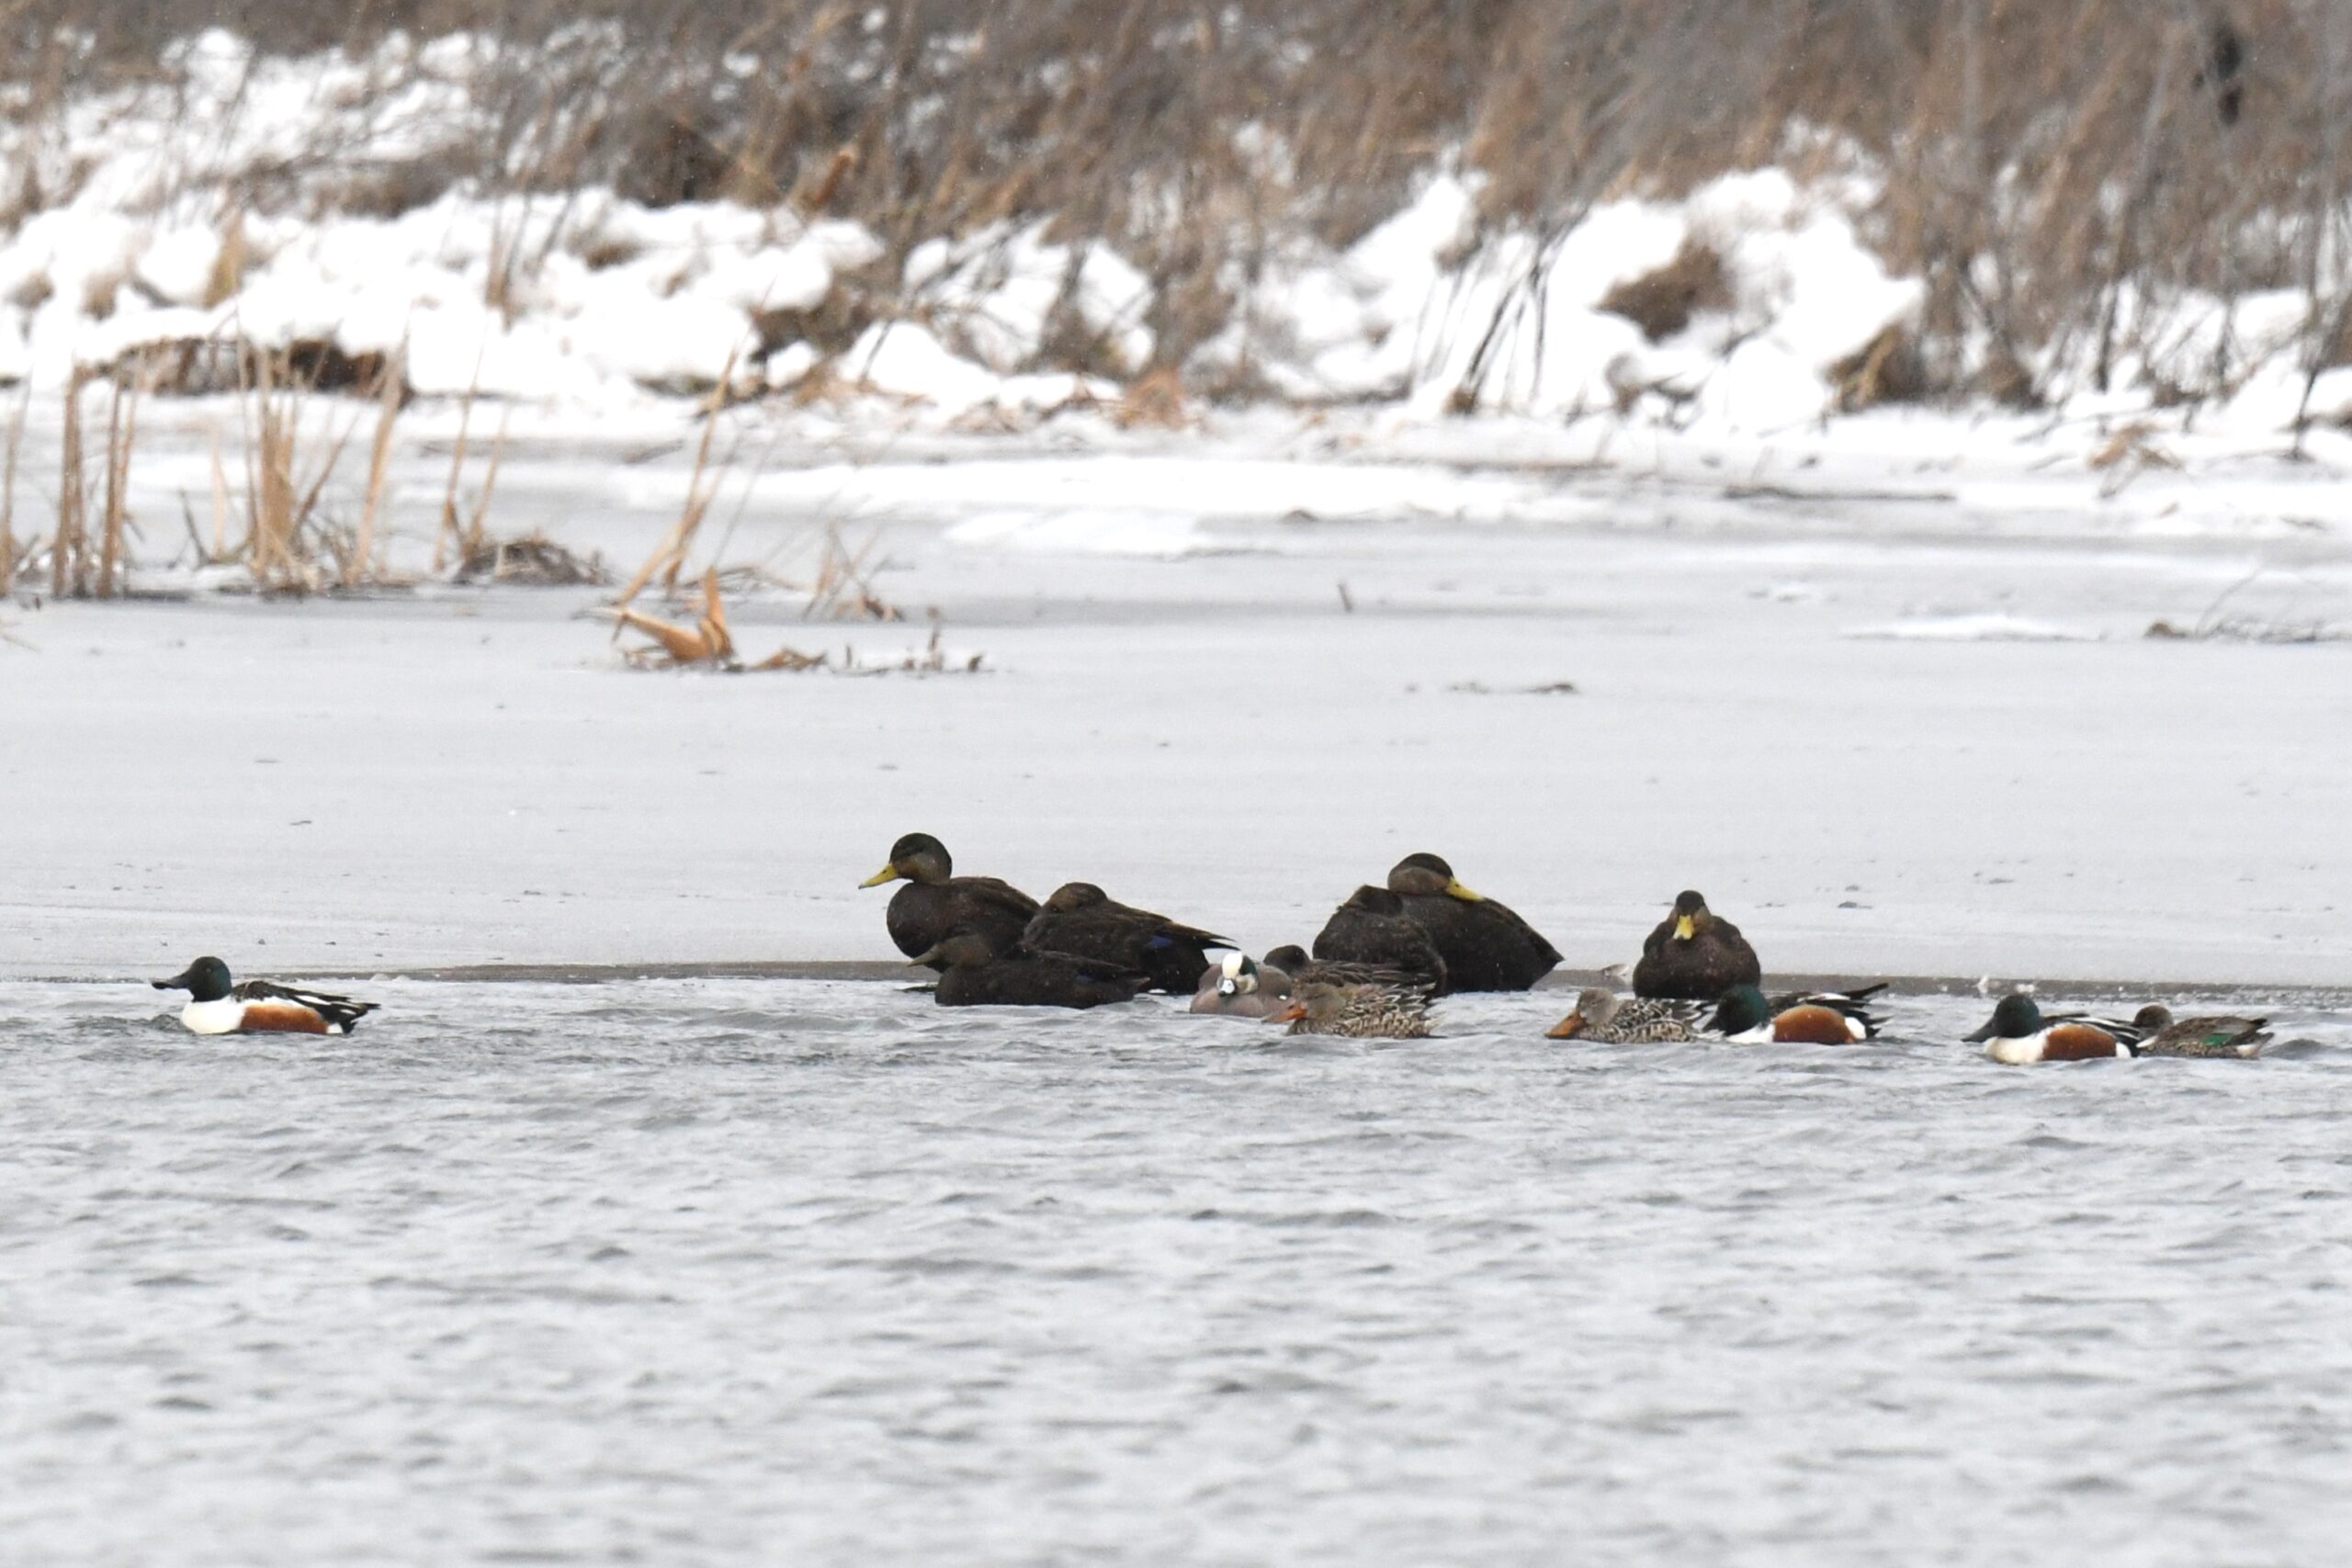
(1486, 945)
(936, 903)
(1695, 956)
(1083, 921)
(1373, 927)
(971, 976)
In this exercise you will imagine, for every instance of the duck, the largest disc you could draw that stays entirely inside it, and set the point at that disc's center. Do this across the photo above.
(220, 1005)
(1373, 927)
(1394, 1009)
(1082, 921)
(1604, 1017)
(973, 974)
(1744, 1016)
(1695, 956)
(936, 902)
(2018, 1033)
(1243, 987)
(2161, 1034)
(1484, 944)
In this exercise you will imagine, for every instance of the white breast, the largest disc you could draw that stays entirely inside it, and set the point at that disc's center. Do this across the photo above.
(2016, 1051)
(220, 1017)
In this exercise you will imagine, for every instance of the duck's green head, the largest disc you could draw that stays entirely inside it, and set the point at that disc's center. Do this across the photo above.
(1427, 875)
(918, 857)
(2014, 1018)
(207, 980)
(1690, 915)
(1739, 1009)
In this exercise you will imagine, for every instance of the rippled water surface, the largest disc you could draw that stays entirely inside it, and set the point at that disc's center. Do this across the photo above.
(791, 1272)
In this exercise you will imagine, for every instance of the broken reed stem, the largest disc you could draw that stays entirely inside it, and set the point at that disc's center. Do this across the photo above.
(448, 530)
(379, 457)
(476, 533)
(122, 421)
(9, 490)
(671, 553)
(65, 548)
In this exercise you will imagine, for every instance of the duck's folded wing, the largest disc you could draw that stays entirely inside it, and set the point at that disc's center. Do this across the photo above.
(996, 891)
(326, 1004)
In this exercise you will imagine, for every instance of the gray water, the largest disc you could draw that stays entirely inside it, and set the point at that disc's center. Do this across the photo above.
(815, 1273)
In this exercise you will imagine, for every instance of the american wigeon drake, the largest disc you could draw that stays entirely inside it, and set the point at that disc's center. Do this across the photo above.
(936, 901)
(1373, 927)
(2018, 1033)
(1486, 945)
(1605, 1018)
(217, 1005)
(1744, 1016)
(1083, 921)
(1694, 954)
(972, 975)
(1242, 986)
(1394, 1009)
(2161, 1034)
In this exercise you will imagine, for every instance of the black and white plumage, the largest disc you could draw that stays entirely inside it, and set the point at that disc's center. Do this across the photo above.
(218, 1004)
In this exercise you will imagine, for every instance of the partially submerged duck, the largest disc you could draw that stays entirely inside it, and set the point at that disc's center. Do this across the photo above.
(1083, 921)
(1607, 1018)
(935, 902)
(1242, 986)
(2018, 1033)
(1394, 1009)
(1373, 927)
(1744, 1016)
(1485, 945)
(217, 1005)
(2161, 1034)
(1694, 954)
(972, 975)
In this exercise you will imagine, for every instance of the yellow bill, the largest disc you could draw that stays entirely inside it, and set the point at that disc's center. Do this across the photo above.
(1455, 890)
(888, 874)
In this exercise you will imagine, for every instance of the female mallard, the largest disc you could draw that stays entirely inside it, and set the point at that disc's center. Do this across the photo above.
(1607, 1018)
(1485, 946)
(1395, 1009)
(1082, 921)
(974, 974)
(1746, 1017)
(1373, 927)
(2164, 1035)
(1695, 956)
(935, 902)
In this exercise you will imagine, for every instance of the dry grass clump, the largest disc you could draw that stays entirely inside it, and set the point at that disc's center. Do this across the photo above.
(1662, 302)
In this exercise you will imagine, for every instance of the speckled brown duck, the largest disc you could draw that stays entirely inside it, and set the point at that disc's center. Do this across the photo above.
(935, 902)
(1373, 927)
(1486, 945)
(1388, 1010)
(971, 975)
(1081, 920)
(1695, 956)
(1242, 986)
(2161, 1034)
(1605, 1018)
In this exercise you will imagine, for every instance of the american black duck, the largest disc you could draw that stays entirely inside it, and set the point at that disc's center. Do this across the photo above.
(1695, 956)
(935, 902)
(972, 975)
(1486, 945)
(1373, 927)
(1081, 920)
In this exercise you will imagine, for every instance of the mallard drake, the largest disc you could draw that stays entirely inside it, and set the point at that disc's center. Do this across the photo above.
(973, 974)
(1747, 1017)
(1081, 920)
(1486, 945)
(218, 1005)
(1695, 956)
(935, 902)
(1373, 927)
(1395, 1009)
(2018, 1033)
(2161, 1034)
(1604, 1017)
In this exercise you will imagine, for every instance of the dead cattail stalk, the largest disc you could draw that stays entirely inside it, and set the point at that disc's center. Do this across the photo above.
(671, 553)
(359, 565)
(448, 533)
(9, 490)
(65, 569)
(122, 421)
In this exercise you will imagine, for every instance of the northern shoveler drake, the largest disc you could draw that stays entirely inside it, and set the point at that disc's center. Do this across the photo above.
(2161, 1034)
(1746, 1017)
(973, 974)
(1607, 1018)
(1394, 1009)
(1486, 945)
(1082, 921)
(936, 902)
(1694, 954)
(2018, 1033)
(1373, 927)
(217, 1005)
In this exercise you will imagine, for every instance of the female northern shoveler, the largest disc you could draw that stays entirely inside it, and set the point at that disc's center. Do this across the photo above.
(1746, 1017)
(1082, 921)
(1485, 946)
(935, 902)
(2018, 1033)
(1373, 927)
(2161, 1034)
(1607, 1018)
(1695, 955)
(972, 975)
(219, 1005)
(1398, 1009)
